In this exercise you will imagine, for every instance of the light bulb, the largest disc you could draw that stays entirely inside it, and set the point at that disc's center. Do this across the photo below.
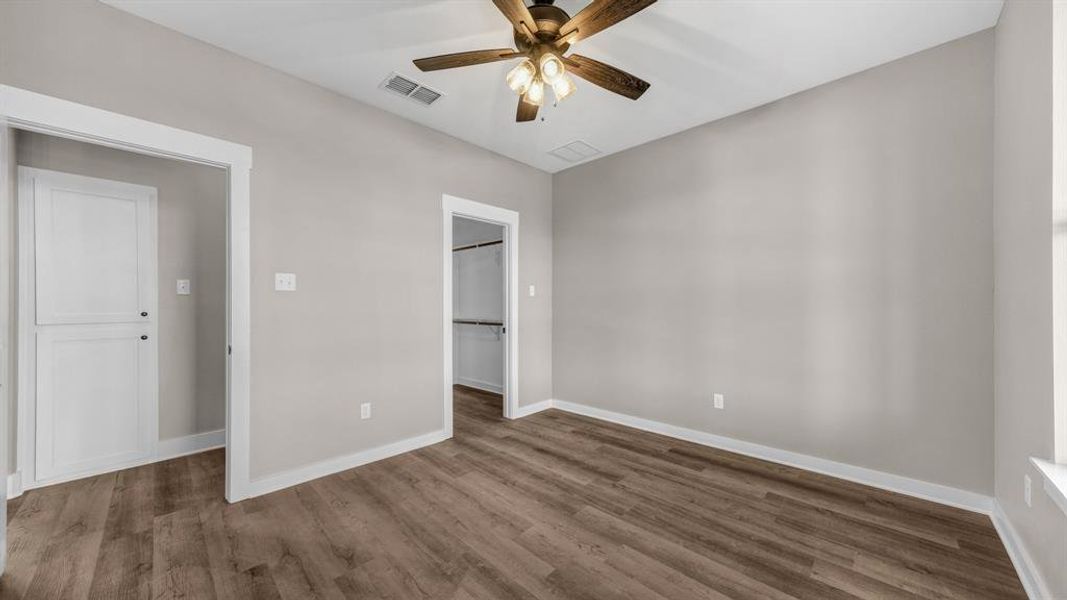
(551, 67)
(563, 87)
(536, 94)
(520, 78)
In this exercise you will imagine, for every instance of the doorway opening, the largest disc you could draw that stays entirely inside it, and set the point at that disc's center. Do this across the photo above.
(29, 111)
(478, 329)
(121, 309)
(480, 309)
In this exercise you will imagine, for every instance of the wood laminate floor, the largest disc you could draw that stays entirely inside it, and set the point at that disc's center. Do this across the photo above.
(550, 506)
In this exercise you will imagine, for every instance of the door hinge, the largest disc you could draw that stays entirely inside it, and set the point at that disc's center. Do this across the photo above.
(229, 350)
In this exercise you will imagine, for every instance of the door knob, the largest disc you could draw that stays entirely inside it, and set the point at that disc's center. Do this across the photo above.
(144, 314)
(144, 337)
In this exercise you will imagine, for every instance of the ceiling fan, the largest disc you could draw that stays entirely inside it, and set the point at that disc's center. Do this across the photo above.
(543, 34)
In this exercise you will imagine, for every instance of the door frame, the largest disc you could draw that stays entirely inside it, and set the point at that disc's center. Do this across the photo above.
(30, 111)
(509, 220)
(28, 329)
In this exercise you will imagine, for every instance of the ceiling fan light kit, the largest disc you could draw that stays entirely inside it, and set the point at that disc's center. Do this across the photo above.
(563, 87)
(551, 67)
(520, 78)
(543, 34)
(536, 94)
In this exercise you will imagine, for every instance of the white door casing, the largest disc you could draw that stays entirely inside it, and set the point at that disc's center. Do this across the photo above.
(31, 111)
(453, 206)
(7, 213)
(89, 273)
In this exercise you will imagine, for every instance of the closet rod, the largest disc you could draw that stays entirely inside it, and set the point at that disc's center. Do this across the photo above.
(481, 245)
(473, 322)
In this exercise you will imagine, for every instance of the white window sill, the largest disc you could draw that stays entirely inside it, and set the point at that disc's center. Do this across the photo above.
(1055, 481)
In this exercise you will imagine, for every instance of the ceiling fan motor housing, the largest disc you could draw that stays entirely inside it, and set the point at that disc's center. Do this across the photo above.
(549, 19)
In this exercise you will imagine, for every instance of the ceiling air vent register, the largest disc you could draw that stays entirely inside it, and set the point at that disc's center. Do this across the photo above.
(574, 152)
(410, 89)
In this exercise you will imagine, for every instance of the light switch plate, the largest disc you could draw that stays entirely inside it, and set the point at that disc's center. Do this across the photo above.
(285, 282)
(364, 410)
(183, 287)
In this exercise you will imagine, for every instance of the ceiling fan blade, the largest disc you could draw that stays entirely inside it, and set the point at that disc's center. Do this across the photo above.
(520, 17)
(598, 16)
(606, 76)
(465, 59)
(527, 110)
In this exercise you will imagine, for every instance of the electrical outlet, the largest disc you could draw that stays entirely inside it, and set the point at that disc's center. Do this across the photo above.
(1026, 490)
(285, 282)
(533, 291)
(364, 410)
(720, 401)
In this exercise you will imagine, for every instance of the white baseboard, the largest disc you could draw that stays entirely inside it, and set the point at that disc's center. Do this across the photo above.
(273, 483)
(190, 444)
(478, 384)
(165, 450)
(14, 485)
(529, 409)
(934, 492)
(1033, 583)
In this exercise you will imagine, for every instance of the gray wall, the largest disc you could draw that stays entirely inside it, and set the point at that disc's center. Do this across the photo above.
(346, 196)
(824, 261)
(1023, 322)
(192, 245)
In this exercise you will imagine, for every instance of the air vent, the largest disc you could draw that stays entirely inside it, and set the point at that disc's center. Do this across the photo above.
(576, 151)
(425, 95)
(400, 85)
(410, 89)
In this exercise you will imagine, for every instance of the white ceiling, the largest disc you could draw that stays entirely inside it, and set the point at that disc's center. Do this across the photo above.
(705, 59)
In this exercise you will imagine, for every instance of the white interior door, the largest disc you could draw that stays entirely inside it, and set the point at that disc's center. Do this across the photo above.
(96, 380)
